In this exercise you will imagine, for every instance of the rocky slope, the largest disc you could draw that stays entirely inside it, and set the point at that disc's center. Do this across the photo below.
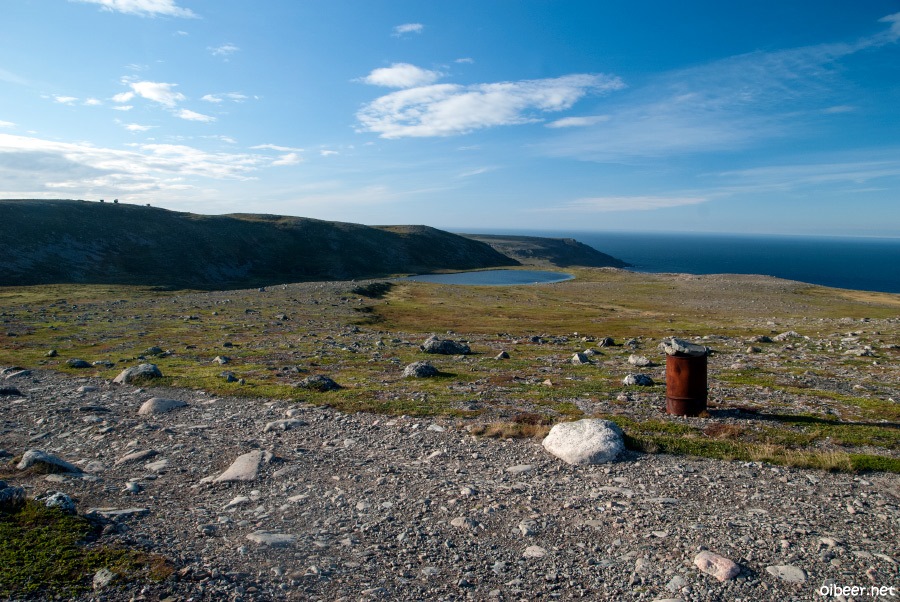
(66, 241)
(336, 506)
(560, 252)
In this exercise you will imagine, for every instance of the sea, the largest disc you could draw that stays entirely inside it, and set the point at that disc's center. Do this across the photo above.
(867, 264)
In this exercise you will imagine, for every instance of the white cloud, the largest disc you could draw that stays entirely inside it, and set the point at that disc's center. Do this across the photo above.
(66, 100)
(217, 98)
(33, 167)
(465, 60)
(625, 203)
(894, 20)
(189, 115)
(571, 122)
(123, 108)
(476, 172)
(93, 102)
(123, 97)
(6, 124)
(400, 30)
(144, 8)
(160, 92)
(275, 147)
(401, 75)
(328, 153)
(135, 127)
(288, 159)
(839, 109)
(449, 109)
(223, 50)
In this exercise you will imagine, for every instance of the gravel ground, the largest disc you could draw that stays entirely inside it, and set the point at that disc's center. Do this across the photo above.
(366, 507)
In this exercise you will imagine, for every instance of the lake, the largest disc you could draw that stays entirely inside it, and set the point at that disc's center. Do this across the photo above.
(495, 277)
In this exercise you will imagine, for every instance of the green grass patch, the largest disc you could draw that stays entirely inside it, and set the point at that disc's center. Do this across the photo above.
(49, 552)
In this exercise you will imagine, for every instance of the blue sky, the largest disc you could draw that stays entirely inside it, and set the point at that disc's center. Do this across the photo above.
(770, 117)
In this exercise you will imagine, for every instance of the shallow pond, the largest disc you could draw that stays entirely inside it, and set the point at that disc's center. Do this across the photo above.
(495, 277)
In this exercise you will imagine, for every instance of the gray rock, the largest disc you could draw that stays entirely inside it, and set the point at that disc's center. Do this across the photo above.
(10, 392)
(502, 356)
(580, 359)
(11, 498)
(638, 360)
(760, 338)
(77, 363)
(588, 441)
(159, 405)
(103, 578)
(718, 566)
(606, 342)
(790, 334)
(244, 468)
(153, 351)
(528, 527)
(45, 462)
(674, 346)
(283, 425)
(228, 376)
(445, 347)
(640, 380)
(137, 373)
(787, 572)
(221, 359)
(534, 552)
(420, 370)
(57, 499)
(138, 456)
(317, 382)
(51, 353)
(272, 540)
(465, 523)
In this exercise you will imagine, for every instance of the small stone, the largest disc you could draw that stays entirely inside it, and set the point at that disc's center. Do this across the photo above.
(638, 360)
(464, 522)
(51, 353)
(787, 572)
(580, 359)
(45, 462)
(221, 359)
(534, 552)
(77, 363)
(137, 456)
(520, 469)
(272, 540)
(528, 527)
(420, 370)
(11, 498)
(103, 578)
(244, 468)
(719, 567)
(640, 380)
(57, 499)
(317, 382)
(502, 356)
(137, 374)
(159, 405)
(676, 583)
(283, 425)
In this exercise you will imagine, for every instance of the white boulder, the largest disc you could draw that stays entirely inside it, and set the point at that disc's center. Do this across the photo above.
(588, 441)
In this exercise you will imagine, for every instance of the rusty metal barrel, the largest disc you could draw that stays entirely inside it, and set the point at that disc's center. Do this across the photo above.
(686, 388)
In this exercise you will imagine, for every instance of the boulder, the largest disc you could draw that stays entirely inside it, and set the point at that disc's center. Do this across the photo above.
(640, 380)
(77, 363)
(137, 373)
(57, 499)
(445, 347)
(588, 441)
(638, 360)
(502, 356)
(719, 567)
(673, 346)
(159, 405)
(606, 342)
(244, 468)
(45, 462)
(580, 359)
(11, 498)
(317, 382)
(420, 370)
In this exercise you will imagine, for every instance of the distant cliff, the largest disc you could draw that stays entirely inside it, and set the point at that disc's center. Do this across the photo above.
(67, 241)
(560, 252)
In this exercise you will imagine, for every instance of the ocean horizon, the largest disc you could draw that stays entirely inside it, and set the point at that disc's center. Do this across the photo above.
(857, 263)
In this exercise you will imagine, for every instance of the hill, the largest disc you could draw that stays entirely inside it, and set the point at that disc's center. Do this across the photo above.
(560, 252)
(70, 241)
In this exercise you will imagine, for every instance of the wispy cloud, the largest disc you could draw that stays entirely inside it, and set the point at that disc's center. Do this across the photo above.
(217, 98)
(144, 8)
(572, 122)
(136, 127)
(224, 50)
(123, 107)
(476, 172)
(406, 28)
(401, 75)
(798, 176)
(288, 159)
(465, 60)
(276, 147)
(328, 153)
(34, 166)
(449, 109)
(160, 92)
(7, 124)
(189, 115)
(65, 100)
(606, 204)
(725, 105)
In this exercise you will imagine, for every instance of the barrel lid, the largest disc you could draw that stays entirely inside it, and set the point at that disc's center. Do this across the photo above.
(673, 346)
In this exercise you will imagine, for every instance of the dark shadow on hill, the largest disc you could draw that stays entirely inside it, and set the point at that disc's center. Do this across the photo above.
(560, 252)
(69, 241)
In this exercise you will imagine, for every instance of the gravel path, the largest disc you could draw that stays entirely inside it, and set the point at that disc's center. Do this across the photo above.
(365, 507)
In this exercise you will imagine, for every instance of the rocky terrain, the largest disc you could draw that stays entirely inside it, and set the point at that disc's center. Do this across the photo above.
(559, 252)
(335, 506)
(295, 446)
